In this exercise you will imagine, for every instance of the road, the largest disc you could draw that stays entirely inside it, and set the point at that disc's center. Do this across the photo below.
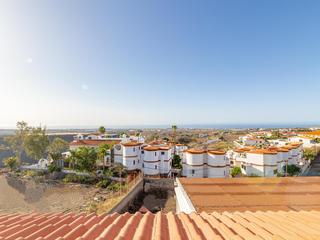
(315, 167)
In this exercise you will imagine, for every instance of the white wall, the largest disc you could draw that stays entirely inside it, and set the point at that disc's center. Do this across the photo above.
(217, 166)
(131, 157)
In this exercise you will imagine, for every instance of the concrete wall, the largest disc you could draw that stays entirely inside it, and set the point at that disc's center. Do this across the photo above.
(126, 200)
(183, 202)
(143, 185)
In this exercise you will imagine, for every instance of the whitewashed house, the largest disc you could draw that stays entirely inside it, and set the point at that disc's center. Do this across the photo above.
(154, 159)
(180, 148)
(200, 163)
(267, 162)
(305, 140)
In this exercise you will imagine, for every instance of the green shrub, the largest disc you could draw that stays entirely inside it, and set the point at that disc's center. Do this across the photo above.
(309, 154)
(54, 168)
(103, 183)
(176, 162)
(292, 170)
(115, 186)
(82, 179)
(11, 162)
(33, 173)
(235, 171)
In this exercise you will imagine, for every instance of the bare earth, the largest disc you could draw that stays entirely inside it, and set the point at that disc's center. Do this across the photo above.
(21, 196)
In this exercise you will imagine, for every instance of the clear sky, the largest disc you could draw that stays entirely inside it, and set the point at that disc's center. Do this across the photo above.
(73, 62)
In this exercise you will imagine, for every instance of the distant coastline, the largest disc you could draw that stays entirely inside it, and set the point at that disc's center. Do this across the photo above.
(53, 129)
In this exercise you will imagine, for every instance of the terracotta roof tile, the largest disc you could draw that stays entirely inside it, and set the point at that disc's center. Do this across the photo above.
(131, 144)
(225, 225)
(93, 142)
(242, 194)
(196, 151)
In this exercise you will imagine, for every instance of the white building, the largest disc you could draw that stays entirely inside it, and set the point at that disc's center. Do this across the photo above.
(129, 155)
(250, 140)
(157, 160)
(107, 136)
(199, 163)
(180, 148)
(305, 140)
(266, 162)
(154, 159)
(278, 142)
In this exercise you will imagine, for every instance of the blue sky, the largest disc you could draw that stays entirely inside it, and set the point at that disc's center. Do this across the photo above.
(159, 62)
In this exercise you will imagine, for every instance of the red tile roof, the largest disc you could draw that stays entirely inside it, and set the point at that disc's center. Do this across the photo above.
(313, 133)
(93, 142)
(248, 225)
(253, 194)
(156, 148)
(131, 144)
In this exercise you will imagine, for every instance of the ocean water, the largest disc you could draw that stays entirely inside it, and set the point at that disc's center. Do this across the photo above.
(8, 131)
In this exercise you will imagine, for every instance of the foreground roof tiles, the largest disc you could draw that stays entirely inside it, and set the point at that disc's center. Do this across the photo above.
(253, 194)
(246, 225)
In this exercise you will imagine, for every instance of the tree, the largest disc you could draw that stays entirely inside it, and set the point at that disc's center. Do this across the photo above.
(102, 130)
(317, 140)
(174, 129)
(185, 139)
(274, 135)
(11, 162)
(36, 143)
(176, 161)
(119, 170)
(103, 150)
(309, 154)
(56, 148)
(16, 141)
(86, 159)
(235, 171)
(291, 170)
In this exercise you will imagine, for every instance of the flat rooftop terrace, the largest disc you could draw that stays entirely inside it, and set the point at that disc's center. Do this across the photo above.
(253, 194)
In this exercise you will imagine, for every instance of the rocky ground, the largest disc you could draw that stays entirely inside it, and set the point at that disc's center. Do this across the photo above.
(27, 195)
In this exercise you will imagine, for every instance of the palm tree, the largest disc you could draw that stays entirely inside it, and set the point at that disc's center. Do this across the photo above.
(103, 150)
(174, 129)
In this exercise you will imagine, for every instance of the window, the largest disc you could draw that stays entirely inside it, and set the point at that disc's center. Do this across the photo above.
(134, 162)
(155, 167)
(162, 153)
(192, 171)
(244, 167)
(231, 162)
(134, 149)
(142, 152)
(142, 164)
(155, 153)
